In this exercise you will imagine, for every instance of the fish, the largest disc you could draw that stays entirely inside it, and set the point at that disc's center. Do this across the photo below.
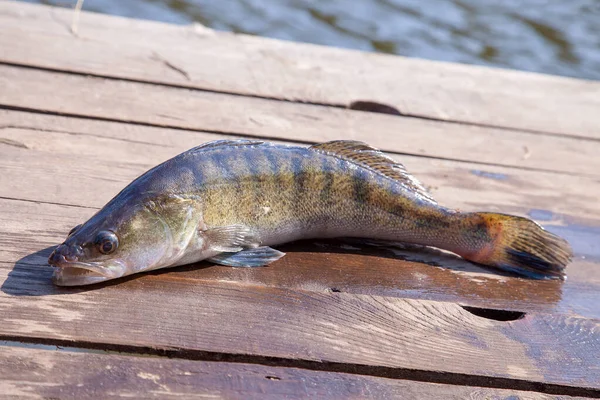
(232, 201)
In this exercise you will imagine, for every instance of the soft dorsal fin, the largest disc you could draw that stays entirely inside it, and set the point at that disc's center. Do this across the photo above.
(372, 158)
(227, 142)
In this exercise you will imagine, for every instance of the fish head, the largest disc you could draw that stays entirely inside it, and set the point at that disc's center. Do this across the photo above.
(86, 259)
(121, 239)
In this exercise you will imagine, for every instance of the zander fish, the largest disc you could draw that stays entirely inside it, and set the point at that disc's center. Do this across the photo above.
(229, 200)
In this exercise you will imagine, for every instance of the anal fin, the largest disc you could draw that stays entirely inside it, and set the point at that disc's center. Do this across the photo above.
(256, 257)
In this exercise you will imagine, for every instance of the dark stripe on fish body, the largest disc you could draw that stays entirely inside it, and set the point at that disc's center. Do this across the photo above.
(251, 160)
(328, 171)
(280, 183)
(212, 171)
(430, 220)
(218, 160)
(212, 167)
(398, 205)
(360, 186)
(231, 168)
(199, 173)
(258, 167)
(272, 160)
(299, 175)
(378, 190)
(232, 173)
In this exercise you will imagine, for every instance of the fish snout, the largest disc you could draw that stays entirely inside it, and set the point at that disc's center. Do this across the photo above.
(64, 253)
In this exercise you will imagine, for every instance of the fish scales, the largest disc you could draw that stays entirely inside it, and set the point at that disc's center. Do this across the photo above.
(229, 201)
(277, 191)
(281, 194)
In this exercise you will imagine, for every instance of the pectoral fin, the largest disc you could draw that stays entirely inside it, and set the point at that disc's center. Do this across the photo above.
(231, 239)
(256, 257)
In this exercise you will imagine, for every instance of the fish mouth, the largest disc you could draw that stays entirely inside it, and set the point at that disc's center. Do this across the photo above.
(77, 273)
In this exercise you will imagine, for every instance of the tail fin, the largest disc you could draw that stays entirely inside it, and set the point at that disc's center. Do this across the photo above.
(514, 244)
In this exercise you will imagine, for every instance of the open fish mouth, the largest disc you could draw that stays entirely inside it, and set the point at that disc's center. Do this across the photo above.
(80, 273)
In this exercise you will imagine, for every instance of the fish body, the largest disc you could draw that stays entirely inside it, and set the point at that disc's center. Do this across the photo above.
(230, 201)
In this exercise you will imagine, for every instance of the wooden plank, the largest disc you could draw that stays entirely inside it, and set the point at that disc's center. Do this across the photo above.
(200, 58)
(172, 312)
(85, 162)
(182, 108)
(29, 232)
(46, 374)
(272, 316)
(82, 151)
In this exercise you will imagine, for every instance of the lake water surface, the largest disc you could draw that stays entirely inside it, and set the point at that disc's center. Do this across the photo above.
(549, 36)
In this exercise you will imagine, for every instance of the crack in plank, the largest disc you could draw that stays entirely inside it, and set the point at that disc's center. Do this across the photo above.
(295, 141)
(449, 378)
(158, 57)
(48, 202)
(287, 100)
(33, 128)
(14, 143)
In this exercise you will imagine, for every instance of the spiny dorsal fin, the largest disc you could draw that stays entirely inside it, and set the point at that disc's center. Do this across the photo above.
(369, 157)
(227, 142)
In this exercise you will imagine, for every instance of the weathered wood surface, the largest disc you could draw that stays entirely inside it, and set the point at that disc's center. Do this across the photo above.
(331, 306)
(93, 160)
(31, 373)
(129, 150)
(327, 265)
(217, 112)
(175, 312)
(196, 57)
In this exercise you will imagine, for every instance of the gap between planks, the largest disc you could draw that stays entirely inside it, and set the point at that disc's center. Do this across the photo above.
(55, 163)
(258, 136)
(336, 328)
(112, 100)
(276, 69)
(320, 266)
(371, 107)
(17, 149)
(37, 370)
(63, 141)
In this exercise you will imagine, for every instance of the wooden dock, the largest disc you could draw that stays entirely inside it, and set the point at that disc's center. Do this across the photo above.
(83, 114)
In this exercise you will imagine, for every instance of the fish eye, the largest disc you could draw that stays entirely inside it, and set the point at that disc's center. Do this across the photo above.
(106, 242)
(74, 229)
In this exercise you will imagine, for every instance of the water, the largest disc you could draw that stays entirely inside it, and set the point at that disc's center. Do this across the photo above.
(548, 36)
